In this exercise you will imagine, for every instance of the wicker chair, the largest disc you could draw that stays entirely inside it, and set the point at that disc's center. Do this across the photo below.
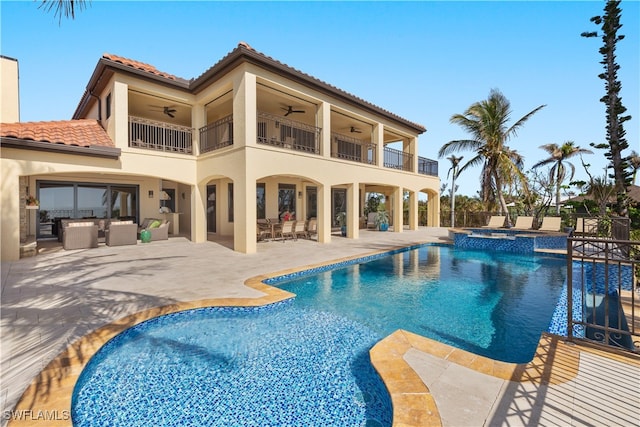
(121, 233)
(160, 233)
(80, 235)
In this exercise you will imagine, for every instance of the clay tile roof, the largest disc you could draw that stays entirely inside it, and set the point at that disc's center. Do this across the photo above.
(80, 133)
(139, 65)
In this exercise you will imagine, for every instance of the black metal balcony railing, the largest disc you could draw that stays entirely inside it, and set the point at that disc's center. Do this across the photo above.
(427, 166)
(216, 135)
(396, 159)
(160, 136)
(355, 150)
(285, 133)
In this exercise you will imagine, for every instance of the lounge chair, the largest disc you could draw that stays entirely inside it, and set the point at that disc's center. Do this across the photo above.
(586, 226)
(550, 223)
(524, 223)
(121, 233)
(496, 221)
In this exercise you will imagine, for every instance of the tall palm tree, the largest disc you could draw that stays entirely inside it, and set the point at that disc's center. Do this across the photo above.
(558, 155)
(486, 121)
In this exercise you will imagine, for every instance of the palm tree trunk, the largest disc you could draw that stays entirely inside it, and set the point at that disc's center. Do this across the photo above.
(503, 202)
(558, 191)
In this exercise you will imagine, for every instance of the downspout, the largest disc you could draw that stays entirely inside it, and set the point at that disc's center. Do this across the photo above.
(99, 108)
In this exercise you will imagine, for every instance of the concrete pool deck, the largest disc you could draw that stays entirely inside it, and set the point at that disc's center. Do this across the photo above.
(52, 300)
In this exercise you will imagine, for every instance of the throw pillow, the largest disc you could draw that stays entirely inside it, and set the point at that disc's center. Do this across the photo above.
(154, 224)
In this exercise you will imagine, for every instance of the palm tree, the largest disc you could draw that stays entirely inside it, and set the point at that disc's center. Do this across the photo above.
(486, 121)
(558, 155)
(455, 161)
(63, 7)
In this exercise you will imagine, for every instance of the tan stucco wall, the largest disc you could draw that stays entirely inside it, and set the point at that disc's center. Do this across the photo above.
(243, 164)
(9, 88)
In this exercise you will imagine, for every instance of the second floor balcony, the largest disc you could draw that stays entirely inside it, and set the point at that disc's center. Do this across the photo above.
(159, 136)
(352, 149)
(216, 135)
(285, 133)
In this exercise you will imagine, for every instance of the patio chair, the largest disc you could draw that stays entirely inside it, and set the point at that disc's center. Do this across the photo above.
(121, 233)
(300, 229)
(524, 223)
(496, 221)
(286, 231)
(263, 230)
(312, 228)
(371, 220)
(80, 235)
(161, 232)
(550, 223)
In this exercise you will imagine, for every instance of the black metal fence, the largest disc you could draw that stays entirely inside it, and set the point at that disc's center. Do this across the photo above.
(602, 292)
(216, 135)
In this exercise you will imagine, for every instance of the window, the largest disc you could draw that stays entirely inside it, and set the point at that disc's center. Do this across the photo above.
(230, 206)
(286, 199)
(107, 106)
(261, 201)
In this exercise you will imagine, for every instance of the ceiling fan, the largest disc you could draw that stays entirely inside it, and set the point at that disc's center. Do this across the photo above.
(355, 130)
(290, 110)
(169, 110)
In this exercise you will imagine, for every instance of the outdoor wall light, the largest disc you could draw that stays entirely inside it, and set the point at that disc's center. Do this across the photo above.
(299, 194)
(151, 194)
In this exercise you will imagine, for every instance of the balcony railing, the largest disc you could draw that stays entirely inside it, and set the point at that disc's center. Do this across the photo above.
(349, 148)
(216, 135)
(427, 166)
(281, 132)
(396, 159)
(160, 136)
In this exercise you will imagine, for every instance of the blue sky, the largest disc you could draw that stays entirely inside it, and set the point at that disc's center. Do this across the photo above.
(424, 61)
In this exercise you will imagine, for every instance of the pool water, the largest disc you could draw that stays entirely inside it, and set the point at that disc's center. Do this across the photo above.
(305, 361)
(488, 302)
(278, 365)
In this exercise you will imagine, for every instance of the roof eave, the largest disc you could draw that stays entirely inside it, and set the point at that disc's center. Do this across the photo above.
(105, 66)
(91, 151)
(241, 53)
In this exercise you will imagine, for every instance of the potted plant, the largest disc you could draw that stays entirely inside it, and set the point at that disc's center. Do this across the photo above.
(342, 221)
(32, 201)
(382, 220)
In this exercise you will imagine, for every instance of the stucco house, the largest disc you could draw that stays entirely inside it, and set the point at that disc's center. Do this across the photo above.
(249, 138)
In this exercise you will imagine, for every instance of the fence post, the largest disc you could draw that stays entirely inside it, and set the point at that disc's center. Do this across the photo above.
(569, 289)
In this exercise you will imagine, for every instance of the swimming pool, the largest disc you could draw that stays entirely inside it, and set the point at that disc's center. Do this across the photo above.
(277, 365)
(491, 303)
(305, 361)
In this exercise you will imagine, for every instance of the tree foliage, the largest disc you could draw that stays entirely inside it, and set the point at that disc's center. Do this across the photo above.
(558, 159)
(616, 142)
(66, 8)
(486, 122)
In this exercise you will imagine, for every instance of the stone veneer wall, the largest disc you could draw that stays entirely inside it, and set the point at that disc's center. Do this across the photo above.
(23, 209)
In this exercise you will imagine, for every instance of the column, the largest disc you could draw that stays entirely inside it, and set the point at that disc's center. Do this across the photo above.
(397, 209)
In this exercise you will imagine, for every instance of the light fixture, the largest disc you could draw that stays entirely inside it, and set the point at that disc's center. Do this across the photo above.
(299, 194)
(151, 194)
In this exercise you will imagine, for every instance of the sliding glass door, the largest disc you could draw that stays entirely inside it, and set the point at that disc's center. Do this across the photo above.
(63, 200)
